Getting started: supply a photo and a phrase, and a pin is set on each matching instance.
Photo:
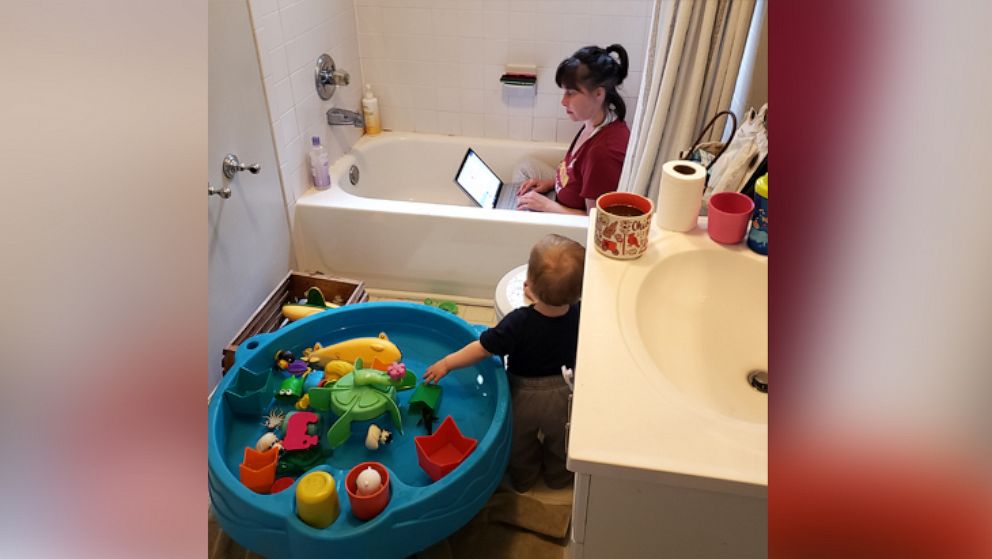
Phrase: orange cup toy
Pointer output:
(367, 502)
(258, 470)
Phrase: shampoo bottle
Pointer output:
(319, 174)
(370, 108)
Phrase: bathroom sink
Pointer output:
(666, 345)
(697, 321)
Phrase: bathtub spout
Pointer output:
(345, 117)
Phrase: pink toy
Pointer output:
(296, 431)
(396, 371)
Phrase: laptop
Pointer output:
(483, 186)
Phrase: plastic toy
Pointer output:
(303, 403)
(300, 461)
(267, 441)
(284, 357)
(317, 499)
(419, 513)
(426, 399)
(274, 419)
(251, 392)
(396, 371)
(258, 470)
(367, 499)
(296, 431)
(298, 367)
(335, 370)
(314, 304)
(442, 452)
(377, 437)
(366, 349)
(446, 306)
(368, 482)
(360, 395)
(291, 389)
(281, 483)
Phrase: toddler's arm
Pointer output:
(468, 355)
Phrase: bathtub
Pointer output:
(407, 226)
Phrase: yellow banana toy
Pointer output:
(365, 349)
(315, 304)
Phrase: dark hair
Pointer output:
(593, 67)
(554, 270)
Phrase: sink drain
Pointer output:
(758, 380)
(353, 175)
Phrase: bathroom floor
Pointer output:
(476, 311)
(520, 525)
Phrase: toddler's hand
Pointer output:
(436, 372)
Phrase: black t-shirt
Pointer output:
(536, 345)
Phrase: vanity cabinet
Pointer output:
(614, 518)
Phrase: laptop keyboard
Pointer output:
(507, 198)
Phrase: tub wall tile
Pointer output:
(289, 36)
(460, 47)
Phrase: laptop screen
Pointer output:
(478, 180)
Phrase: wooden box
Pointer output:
(268, 317)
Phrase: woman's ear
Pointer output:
(599, 94)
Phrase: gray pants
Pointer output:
(531, 168)
(539, 404)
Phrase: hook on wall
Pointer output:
(327, 77)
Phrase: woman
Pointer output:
(593, 162)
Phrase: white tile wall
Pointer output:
(290, 35)
(435, 64)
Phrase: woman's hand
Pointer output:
(536, 185)
(436, 372)
(536, 203)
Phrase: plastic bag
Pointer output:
(746, 151)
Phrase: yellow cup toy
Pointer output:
(317, 499)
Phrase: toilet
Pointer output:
(510, 292)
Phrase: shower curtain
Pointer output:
(693, 56)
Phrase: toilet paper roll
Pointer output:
(680, 195)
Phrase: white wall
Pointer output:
(290, 35)
(435, 64)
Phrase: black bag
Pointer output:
(706, 153)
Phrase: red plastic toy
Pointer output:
(440, 453)
(368, 506)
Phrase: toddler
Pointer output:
(537, 340)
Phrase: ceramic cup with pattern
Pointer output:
(623, 221)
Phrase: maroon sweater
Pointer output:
(594, 168)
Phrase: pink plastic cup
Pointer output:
(729, 214)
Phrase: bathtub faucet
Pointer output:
(344, 117)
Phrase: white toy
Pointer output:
(368, 482)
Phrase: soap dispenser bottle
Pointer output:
(370, 110)
(319, 173)
(757, 237)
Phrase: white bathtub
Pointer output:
(407, 226)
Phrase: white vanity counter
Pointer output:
(662, 411)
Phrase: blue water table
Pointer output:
(275, 460)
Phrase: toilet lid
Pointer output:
(510, 291)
